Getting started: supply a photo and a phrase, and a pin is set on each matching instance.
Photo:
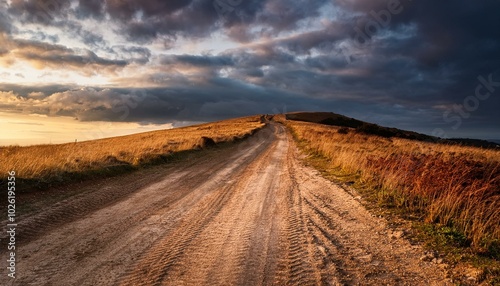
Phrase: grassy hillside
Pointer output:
(46, 164)
(333, 119)
(328, 118)
(447, 185)
(475, 142)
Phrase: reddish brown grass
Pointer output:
(449, 185)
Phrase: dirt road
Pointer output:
(250, 214)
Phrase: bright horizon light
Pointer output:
(24, 129)
(159, 62)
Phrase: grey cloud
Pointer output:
(25, 90)
(254, 72)
(427, 56)
(59, 55)
(285, 15)
(90, 8)
(262, 56)
(134, 54)
(222, 98)
(5, 25)
(201, 61)
(125, 10)
(89, 38)
(41, 37)
(326, 63)
(142, 32)
(186, 18)
(39, 11)
(144, 21)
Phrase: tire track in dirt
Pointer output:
(93, 235)
(108, 191)
(299, 259)
(354, 244)
(203, 191)
(251, 214)
(83, 204)
(155, 266)
(236, 237)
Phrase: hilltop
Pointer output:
(333, 119)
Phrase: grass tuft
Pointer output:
(40, 166)
(454, 186)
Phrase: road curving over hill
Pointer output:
(249, 214)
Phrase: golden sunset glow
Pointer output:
(156, 63)
(24, 129)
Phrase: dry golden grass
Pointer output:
(48, 163)
(446, 184)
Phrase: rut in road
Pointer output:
(251, 214)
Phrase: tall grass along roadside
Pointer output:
(45, 164)
(449, 185)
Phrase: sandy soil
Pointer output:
(250, 214)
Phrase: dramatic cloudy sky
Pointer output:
(83, 69)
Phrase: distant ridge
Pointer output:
(334, 119)
(475, 142)
(330, 118)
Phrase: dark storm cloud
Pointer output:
(272, 16)
(200, 61)
(48, 55)
(325, 63)
(143, 21)
(455, 43)
(464, 34)
(5, 24)
(59, 55)
(125, 9)
(379, 60)
(460, 34)
(91, 39)
(285, 15)
(25, 90)
(219, 99)
(39, 11)
(133, 53)
(254, 72)
(90, 8)
(263, 56)
(324, 40)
